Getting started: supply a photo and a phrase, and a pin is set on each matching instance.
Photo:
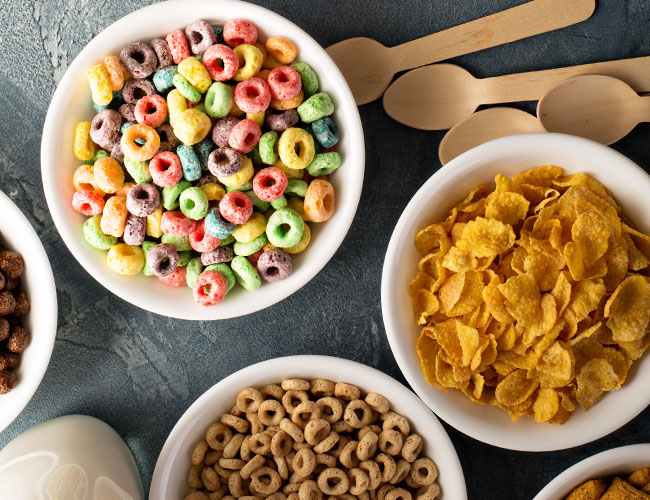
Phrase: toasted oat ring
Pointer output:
(270, 412)
(218, 436)
(277, 496)
(393, 420)
(333, 481)
(295, 384)
(194, 476)
(321, 388)
(331, 409)
(249, 400)
(398, 494)
(304, 462)
(223, 473)
(212, 457)
(236, 411)
(239, 424)
(265, 481)
(367, 446)
(309, 491)
(231, 463)
(256, 425)
(281, 466)
(348, 456)
(197, 495)
(260, 443)
(237, 486)
(245, 449)
(305, 412)
(411, 448)
(232, 448)
(328, 443)
(424, 472)
(363, 496)
(387, 466)
(272, 390)
(281, 444)
(402, 470)
(342, 427)
(390, 442)
(345, 391)
(358, 481)
(210, 479)
(295, 478)
(378, 402)
(326, 460)
(368, 428)
(357, 414)
(300, 446)
(291, 399)
(340, 444)
(371, 468)
(199, 452)
(316, 431)
(292, 429)
(384, 490)
(251, 466)
(428, 492)
(219, 493)
(292, 495)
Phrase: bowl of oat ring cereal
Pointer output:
(28, 311)
(308, 428)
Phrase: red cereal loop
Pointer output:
(254, 258)
(166, 169)
(88, 202)
(284, 83)
(202, 241)
(178, 45)
(269, 183)
(236, 207)
(221, 62)
(244, 136)
(239, 31)
(176, 279)
(151, 110)
(210, 288)
(175, 223)
(253, 95)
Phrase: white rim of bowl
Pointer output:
(300, 364)
(89, 262)
(412, 372)
(46, 288)
(559, 487)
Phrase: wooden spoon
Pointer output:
(600, 108)
(368, 66)
(484, 126)
(439, 96)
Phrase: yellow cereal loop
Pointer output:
(114, 216)
(153, 223)
(250, 61)
(109, 175)
(213, 191)
(303, 243)
(83, 147)
(244, 175)
(235, 110)
(115, 72)
(288, 103)
(176, 105)
(298, 205)
(291, 173)
(84, 179)
(271, 62)
(100, 85)
(254, 227)
(256, 117)
(296, 148)
(192, 126)
(124, 259)
(195, 73)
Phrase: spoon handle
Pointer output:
(523, 21)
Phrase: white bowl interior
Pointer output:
(17, 234)
(629, 184)
(72, 103)
(169, 480)
(618, 461)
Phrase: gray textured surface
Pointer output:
(138, 371)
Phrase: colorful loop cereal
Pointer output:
(216, 256)
(133, 150)
(291, 173)
(308, 77)
(303, 243)
(195, 73)
(162, 259)
(239, 31)
(115, 72)
(218, 100)
(317, 106)
(244, 136)
(125, 259)
(114, 216)
(203, 150)
(245, 273)
(177, 224)
(180, 243)
(109, 175)
(279, 202)
(153, 223)
(324, 164)
(213, 191)
(139, 170)
(193, 269)
(247, 249)
(296, 148)
(163, 79)
(100, 85)
(83, 147)
(224, 162)
(281, 121)
(127, 111)
(284, 83)
(225, 270)
(189, 162)
(297, 187)
(165, 169)
(146, 246)
(236, 207)
(100, 153)
(210, 288)
(88, 202)
(164, 55)
(168, 140)
(134, 230)
(95, 237)
(84, 179)
(298, 205)
(217, 226)
(201, 240)
(268, 147)
(222, 129)
(192, 126)
(275, 228)
(274, 265)
(250, 61)
(194, 203)
(176, 279)
(282, 49)
(171, 194)
(105, 128)
(177, 46)
(186, 89)
(253, 95)
(221, 62)
(135, 89)
(325, 131)
(201, 36)
(269, 183)
(142, 200)
(288, 104)
(262, 206)
(256, 117)
(138, 59)
(319, 201)
(176, 105)
(151, 110)
(239, 179)
(254, 227)
(271, 62)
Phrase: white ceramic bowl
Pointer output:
(17, 234)
(446, 188)
(71, 103)
(169, 481)
(618, 461)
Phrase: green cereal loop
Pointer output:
(139, 170)
(180, 243)
(251, 247)
(308, 77)
(194, 203)
(269, 147)
(171, 194)
(297, 187)
(244, 187)
(254, 155)
(278, 236)
(316, 107)
(184, 258)
(146, 246)
(194, 268)
(99, 154)
(280, 202)
(218, 100)
(324, 164)
(186, 89)
(245, 273)
(95, 237)
(261, 205)
(230, 239)
(200, 107)
(225, 270)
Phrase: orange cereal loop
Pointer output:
(288, 103)
(84, 179)
(109, 174)
(133, 150)
(264, 74)
(115, 72)
(263, 50)
(282, 49)
(271, 62)
(319, 201)
(114, 216)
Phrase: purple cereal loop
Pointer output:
(142, 199)
(163, 53)
(127, 111)
(282, 121)
(221, 130)
(200, 36)
(274, 265)
(134, 230)
(105, 128)
(206, 179)
(224, 162)
(162, 259)
(138, 59)
(168, 140)
(116, 150)
(217, 256)
(131, 88)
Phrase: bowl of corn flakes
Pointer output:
(515, 292)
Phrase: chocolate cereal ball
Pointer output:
(11, 264)
(4, 329)
(9, 360)
(7, 381)
(22, 304)
(18, 339)
(7, 303)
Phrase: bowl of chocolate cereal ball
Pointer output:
(28, 311)
(308, 427)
